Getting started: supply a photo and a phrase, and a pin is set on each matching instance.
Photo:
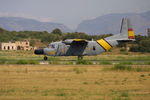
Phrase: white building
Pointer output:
(17, 45)
(8, 46)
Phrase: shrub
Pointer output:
(97, 83)
(105, 62)
(27, 62)
(61, 94)
(22, 62)
(142, 69)
(124, 94)
(110, 50)
(2, 62)
(122, 67)
(83, 62)
(33, 62)
(117, 98)
(147, 63)
(79, 70)
(138, 69)
(85, 83)
(142, 75)
(134, 49)
(142, 44)
(125, 53)
(122, 50)
(125, 63)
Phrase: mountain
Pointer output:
(101, 25)
(111, 23)
(22, 24)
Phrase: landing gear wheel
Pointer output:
(45, 58)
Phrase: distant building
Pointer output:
(148, 31)
(8, 46)
(23, 45)
(17, 45)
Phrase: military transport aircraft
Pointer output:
(82, 47)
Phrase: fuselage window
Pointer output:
(51, 46)
(94, 48)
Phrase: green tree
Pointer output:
(57, 31)
(142, 44)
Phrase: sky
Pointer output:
(69, 12)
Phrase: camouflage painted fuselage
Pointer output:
(81, 47)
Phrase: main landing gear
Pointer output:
(80, 57)
(45, 58)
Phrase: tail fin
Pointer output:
(126, 29)
(126, 35)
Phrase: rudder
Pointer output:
(130, 30)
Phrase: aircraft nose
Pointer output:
(39, 51)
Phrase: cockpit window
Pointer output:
(52, 46)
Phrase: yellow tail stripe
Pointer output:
(104, 44)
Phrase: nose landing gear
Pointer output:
(45, 58)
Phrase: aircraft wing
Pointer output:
(76, 46)
(75, 41)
